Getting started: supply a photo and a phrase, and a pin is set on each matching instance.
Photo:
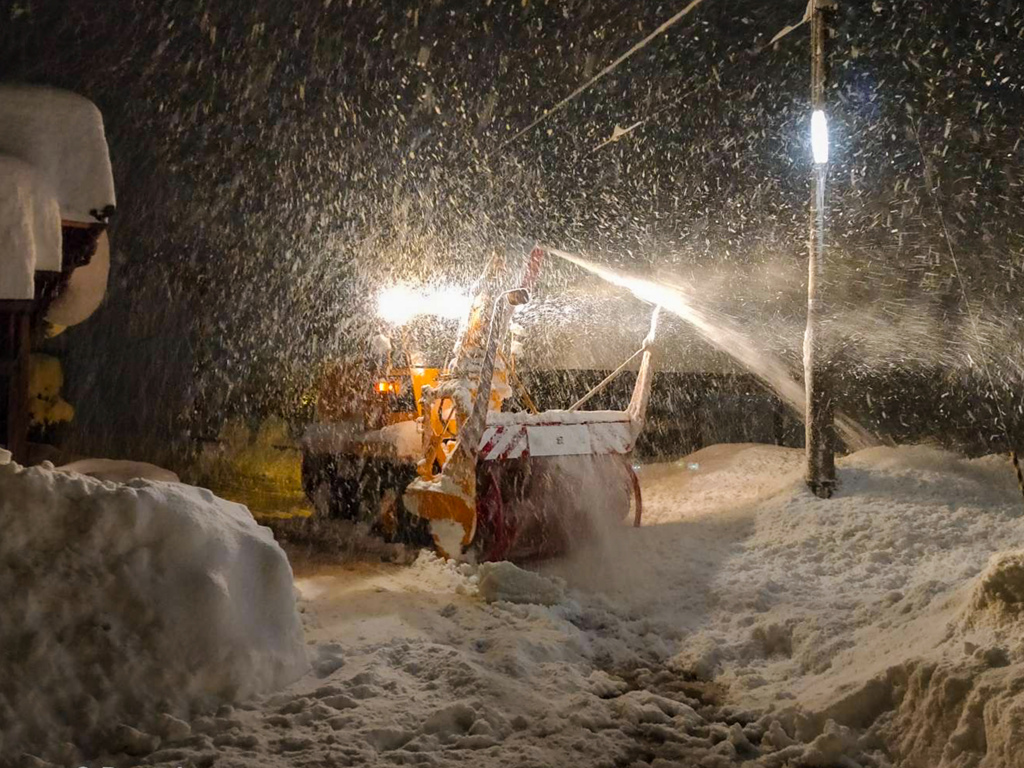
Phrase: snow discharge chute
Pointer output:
(730, 340)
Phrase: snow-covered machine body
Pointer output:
(485, 483)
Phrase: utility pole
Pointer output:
(819, 424)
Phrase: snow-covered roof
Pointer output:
(61, 135)
(30, 237)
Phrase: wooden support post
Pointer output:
(14, 369)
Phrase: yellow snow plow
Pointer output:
(518, 485)
(480, 482)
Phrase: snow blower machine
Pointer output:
(480, 482)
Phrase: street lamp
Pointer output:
(819, 421)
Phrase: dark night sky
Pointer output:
(276, 161)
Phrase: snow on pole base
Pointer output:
(123, 604)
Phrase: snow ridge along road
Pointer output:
(747, 623)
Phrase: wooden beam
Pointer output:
(14, 367)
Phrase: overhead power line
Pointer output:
(663, 27)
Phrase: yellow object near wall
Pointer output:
(46, 378)
(260, 468)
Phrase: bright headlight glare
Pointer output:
(401, 303)
(398, 304)
(819, 136)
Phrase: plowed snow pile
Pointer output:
(126, 608)
(746, 623)
(895, 608)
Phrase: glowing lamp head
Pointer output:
(819, 137)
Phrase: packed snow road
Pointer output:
(832, 631)
(746, 622)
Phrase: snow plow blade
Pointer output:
(450, 511)
(524, 485)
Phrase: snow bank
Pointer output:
(877, 628)
(29, 228)
(962, 703)
(860, 581)
(892, 611)
(118, 471)
(949, 714)
(999, 593)
(504, 581)
(127, 606)
(415, 669)
(893, 608)
(60, 134)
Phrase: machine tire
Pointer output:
(342, 496)
(495, 531)
(360, 497)
(636, 501)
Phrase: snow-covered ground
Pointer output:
(126, 608)
(747, 622)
